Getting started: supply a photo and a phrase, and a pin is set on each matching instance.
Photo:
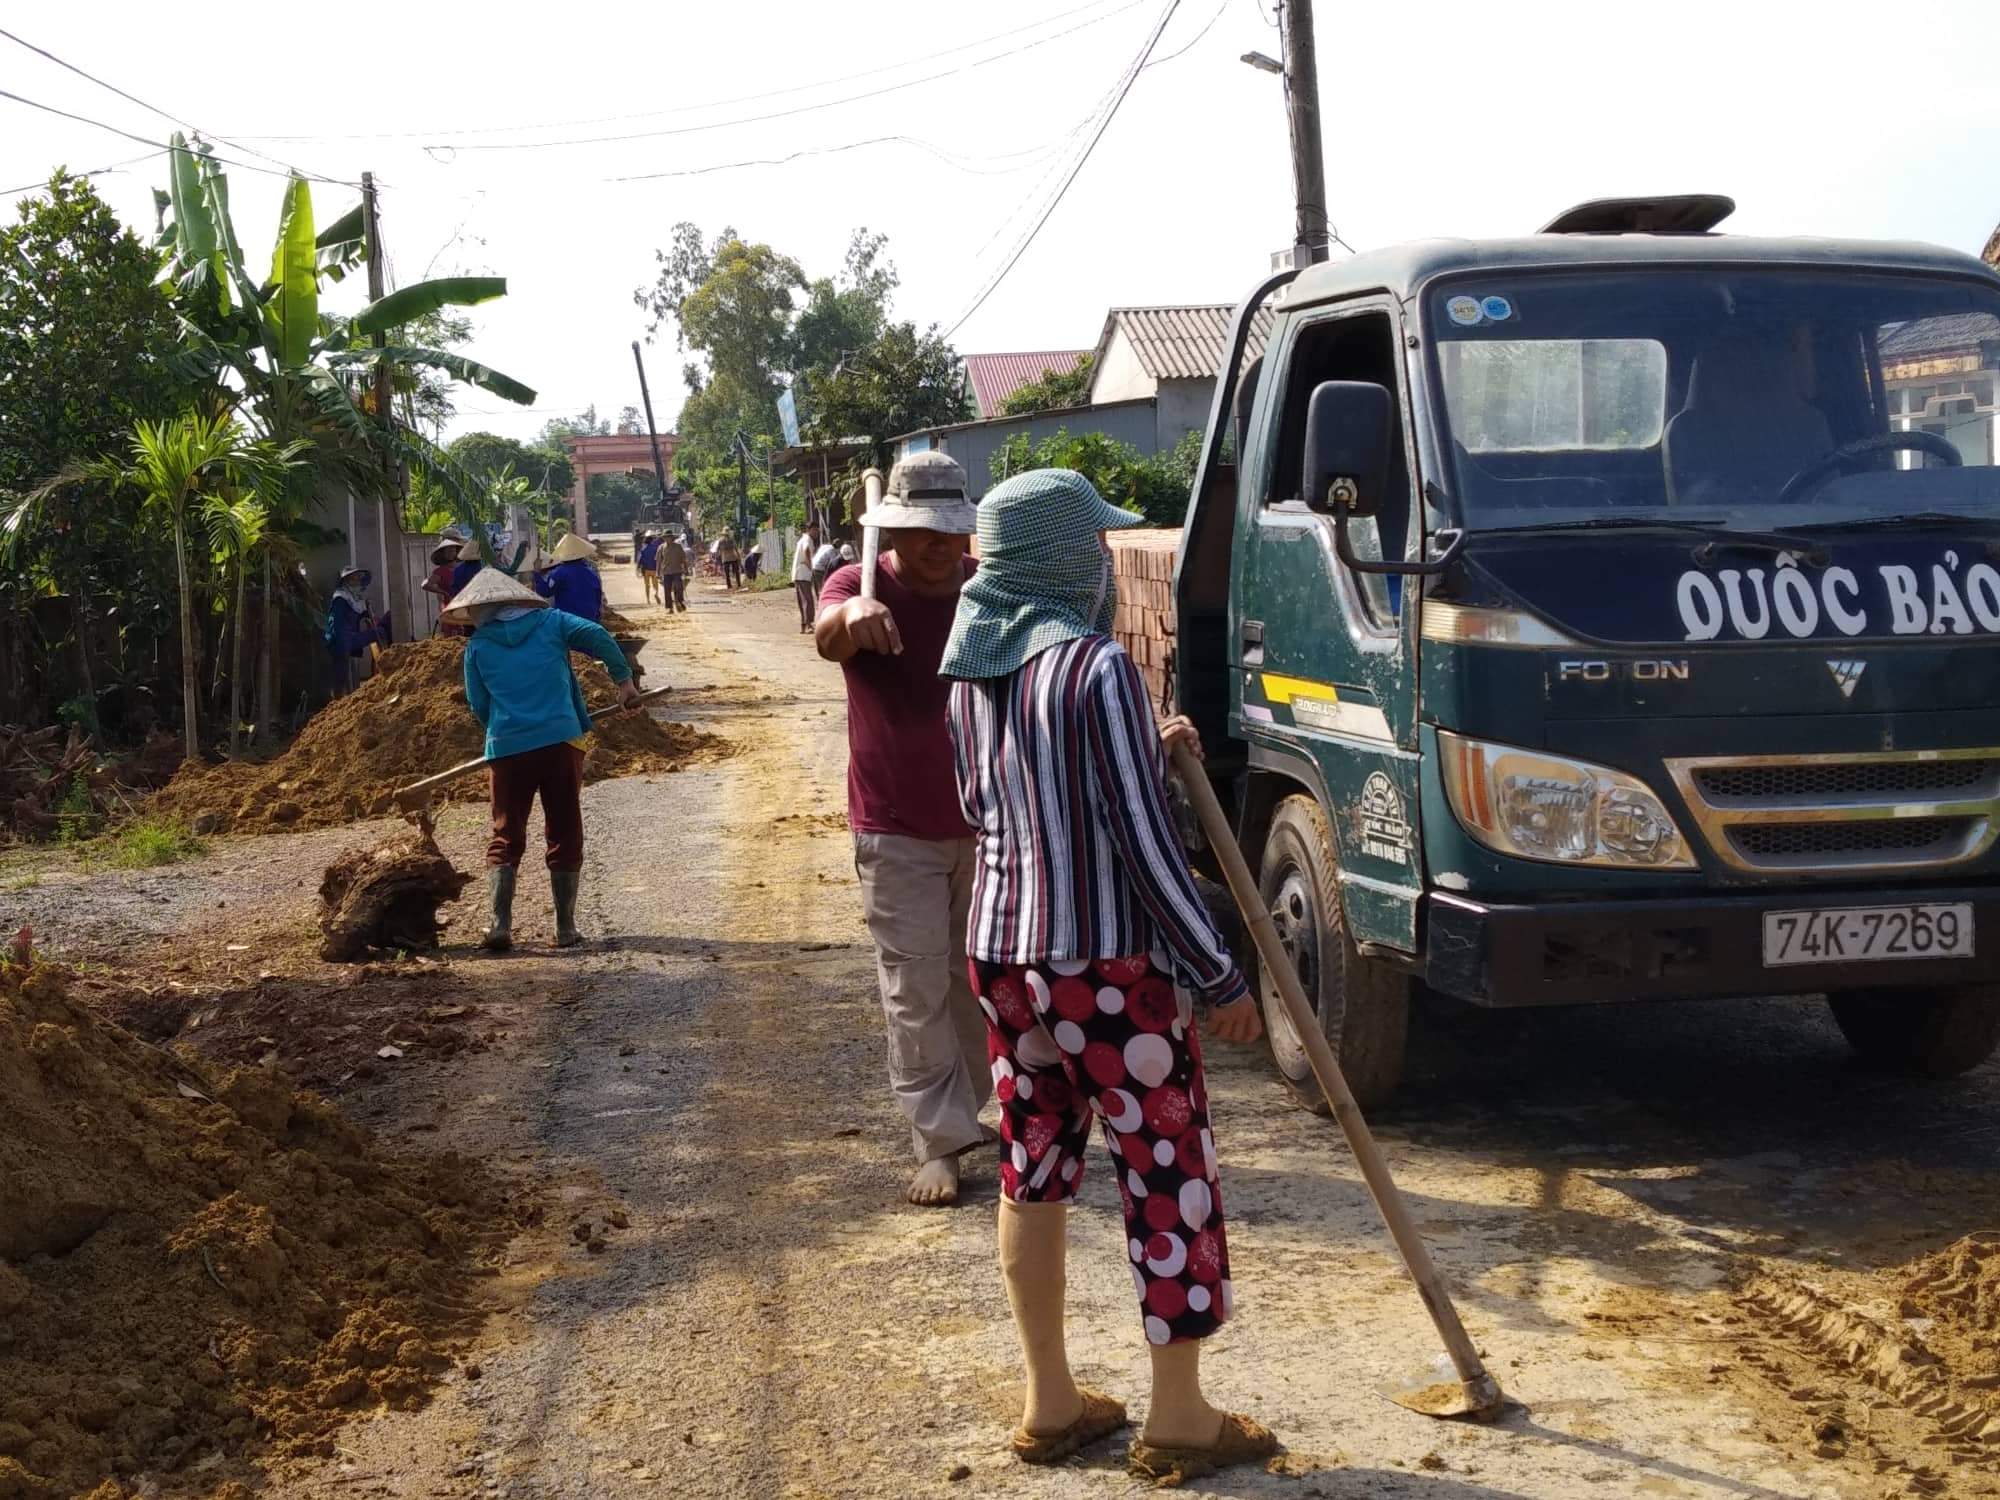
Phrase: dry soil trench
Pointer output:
(771, 1319)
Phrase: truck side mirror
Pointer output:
(1348, 432)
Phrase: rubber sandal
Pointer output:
(1241, 1441)
(1102, 1415)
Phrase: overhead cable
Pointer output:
(1124, 87)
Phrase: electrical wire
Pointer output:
(957, 163)
(21, 41)
(802, 109)
(1124, 88)
(1180, 51)
(116, 166)
(163, 146)
(682, 109)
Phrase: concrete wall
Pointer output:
(1183, 408)
(1120, 376)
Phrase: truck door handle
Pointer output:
(1253, 640)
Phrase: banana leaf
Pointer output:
(291, 313)
(425, 297)
(457, 366)
(342, 245)
(197, 258)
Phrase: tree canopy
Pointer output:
(1053, 391)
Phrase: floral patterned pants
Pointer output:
(1109, 1037)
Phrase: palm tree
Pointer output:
(177, 466)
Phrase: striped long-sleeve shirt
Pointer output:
(1060, 774)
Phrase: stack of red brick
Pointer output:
(1143, 564)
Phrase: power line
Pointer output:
(152, 108)
(1124, 87)
(682, 109)
(1178, 52)
(956, 162)
(116, 166)
(802, 109)
(163, 146)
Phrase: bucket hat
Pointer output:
(926, 492)
(1042, 580)
(355, 570)
(489, 586)
(573, 548)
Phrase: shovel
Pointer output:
(415, 797)
(1475, 1393)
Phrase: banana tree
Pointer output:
(299, 373)
(177, 466)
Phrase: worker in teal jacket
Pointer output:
(519, 683)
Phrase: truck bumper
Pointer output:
(1570, 953)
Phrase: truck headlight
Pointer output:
(1549, 807)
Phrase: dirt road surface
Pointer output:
(702, 1091)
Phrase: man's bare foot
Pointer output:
(936, 1183)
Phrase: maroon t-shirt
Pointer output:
(899, 759)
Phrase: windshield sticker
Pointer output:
(1466, 312)
(1385, 833)
(1497, 309)
(1789, 602)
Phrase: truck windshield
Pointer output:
(1718, 397)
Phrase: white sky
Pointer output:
(1441, 118)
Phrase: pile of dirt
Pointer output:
(407, 722)
(198, 1266)
(1958, 1289)
(386, 899)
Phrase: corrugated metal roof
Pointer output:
(995, 377)
(1955, 332)
(1181, 343)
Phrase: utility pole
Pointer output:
(646, 400)
(371, 225)
(1310, 239)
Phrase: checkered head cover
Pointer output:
(1043, 578)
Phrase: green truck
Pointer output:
(1611, 613)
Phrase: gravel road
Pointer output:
(772, 1319)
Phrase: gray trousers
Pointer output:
(916, 895)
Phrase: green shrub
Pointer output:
(154, 841)
(76, 813)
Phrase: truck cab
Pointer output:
(1612, 613)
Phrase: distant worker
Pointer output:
(519, 684)
(825, 560)
(572, 585)
(847, 554)
(753, 559)
(469, 564)
(673, 564)
(350, 628)
(444, 560)
(912, 846)
(803, 584)
(649, 566)
(731, 557)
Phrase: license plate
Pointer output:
(1844, 934)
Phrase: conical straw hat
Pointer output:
(489, 586)
(574, 548)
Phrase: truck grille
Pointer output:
(1843, 814)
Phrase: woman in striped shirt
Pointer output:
(1086, 938)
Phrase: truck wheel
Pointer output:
(1938, 1033)
(1363, 1006)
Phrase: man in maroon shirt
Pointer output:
(912, 848)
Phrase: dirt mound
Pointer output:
(408, 721)
(196, 1264)
(386, 898)
(1958, 1288)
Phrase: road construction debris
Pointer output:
(182, 1277)
(406, 722)
(386, 899)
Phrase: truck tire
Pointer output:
(1938, 1033)
(1363, 1005)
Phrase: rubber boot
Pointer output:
(563, 883)
(500, 890)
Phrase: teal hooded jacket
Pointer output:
(519, 683)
